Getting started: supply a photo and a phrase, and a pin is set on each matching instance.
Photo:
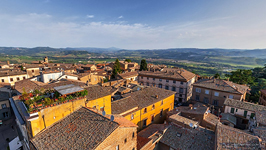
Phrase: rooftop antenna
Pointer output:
(112, 118)
(103, 113)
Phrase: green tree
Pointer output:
(241, 76)
(22, 68)
(217, 76)
(128, 60)
(116, 68)
(143, 65)
(258, 72)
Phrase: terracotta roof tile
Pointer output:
(82, 129)
(170, 73)
(243, 105)
(222, 85)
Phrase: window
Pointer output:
(152, 118)
(215, 102)
(153, 106)
(162, 102)
(167, 87)
(148, 84)
(207, 91)
(245, 113)
(117, 147)
(173, 88)
(132, 116)
(32, 71)
(125, 140)
(3, 106)
(236, 110)
(231, 96)
(148, 78)
(160, 85)
(161, 113)
(17, 78)
(24, 78)
(133, 148)
(174, 81)
(11, 79)
(181, 90)
(160, 79)
(216, 93)
(133, 134)
(181, 83)
(180, 95)
(145, 110)
(198, 90)
(5, 114)
(144, 122)
(3, 80)
(66, 77)
(153, 79)
(252, 115)
(206, 100)
(153, 84)
(141, 77)
(197, 97)
(232, 110)
(167, 80)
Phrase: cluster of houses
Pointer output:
(66, 106)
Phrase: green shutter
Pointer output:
(245, 113)
(252, 115)
(232, 110)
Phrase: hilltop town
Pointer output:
(125, 105)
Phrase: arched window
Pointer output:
(153, 106)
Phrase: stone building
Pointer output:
(87, 129)
(215, 91)
(175, 79)
(262, 99)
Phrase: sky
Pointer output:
(133, 24)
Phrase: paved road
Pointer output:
(6, 131)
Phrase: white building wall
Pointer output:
(239, 112)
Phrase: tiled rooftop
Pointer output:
(212, 119)
(123, 105)
(261, 117)
(222, 85)
(243, 105)
(260, 132)
(95, 92)
(82, 129)
(147, 96)
(170, 73)
(128, 74)
(182, 120)
(232, 138)
(187, 139)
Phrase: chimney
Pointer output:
(156, 96)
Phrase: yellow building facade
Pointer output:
(48, 116)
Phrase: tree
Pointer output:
(116, 68)
(128, 60)
(217, 76)
(22, 68)
(143, 65)
(241, 76)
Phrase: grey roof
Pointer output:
(243, 105)
(68, 89)
(15, 109)
(187, 139)
(4, 95)
(228, 117)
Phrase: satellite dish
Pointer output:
(191, 125)
(103, 113)
(112, 118)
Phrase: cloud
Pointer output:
(31, 30)
(120, 17)
(90, 16)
